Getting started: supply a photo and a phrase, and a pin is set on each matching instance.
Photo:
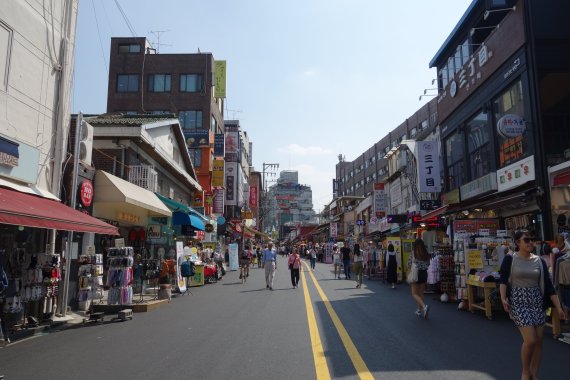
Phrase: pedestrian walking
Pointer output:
(294, 264)
(313, 257)
(259, 257)
(345, 252)
(392, 265)
(420, 260)
(358, 260)
(337, 261)
(270, 265)
(531, 292)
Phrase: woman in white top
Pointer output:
(358, 260)
(337, 262)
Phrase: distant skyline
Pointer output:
(308, 80)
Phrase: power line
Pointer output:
(125, 18)
(99, 35)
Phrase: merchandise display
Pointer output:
(120, 276)
(90, 279)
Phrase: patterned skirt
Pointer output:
(526, 307)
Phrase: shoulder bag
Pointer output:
(413, 272)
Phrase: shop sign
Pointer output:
(86, 193)
(200, 235)
(488, 224)
(209, 227)
(502, 233)
(484, 232)
(232, 146)
(220, 79)
(9, 154)
(127, 217)
(198, 199)
(428, 167)
(379, 200)
(398, 218)
(474, 259)
(360, 222)
(482, 185)
(465, 226)
(90, 250)
(198, 138)
(516, 174)
(218, 206)
(154, 232)
(395, 193)
(219, 145)
(253, 196)
(429, 204)
(510, 126)
(333, 230)
(221, 220)
(218, 173)
(120, 242)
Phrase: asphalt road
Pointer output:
(229, 330)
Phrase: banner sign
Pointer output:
(179, 257)
(253, 196)
(333, 230)
(232, 146)
(233, 253)
(218, 205)
(219, 145)
(428, 167)
(429, 204)
(220, 79)
(218, 173)
(379, 200)
(516, 174)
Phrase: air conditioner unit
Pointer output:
(86, 143)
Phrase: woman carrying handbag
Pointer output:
(295, 267)
(417, 276)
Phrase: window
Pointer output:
(455, 163)
(478, 136)
(196, 157)
(159, 83)
(129, 48)
(190, 82)
(511, 102)
(127, 83)
(190, 120)
(413, 132)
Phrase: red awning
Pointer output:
(31, 211)
(561, 179)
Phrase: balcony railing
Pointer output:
(144, 176)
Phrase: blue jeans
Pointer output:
(346, 265)
(313, 261)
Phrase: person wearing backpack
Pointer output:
(245, 259)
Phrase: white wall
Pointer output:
(34, 64)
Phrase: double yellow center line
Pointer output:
(318, 352)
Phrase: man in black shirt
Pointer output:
(345, 252)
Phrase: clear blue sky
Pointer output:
(308, 79)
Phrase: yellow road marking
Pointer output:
(321, 367)
(357, 361)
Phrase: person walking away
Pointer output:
(313, 257)
(337, 262)
(259, 257)
(531, 293)
(245, 259)
(345, 252)
(358, 260)
(420, 257)
(294, 264)
(392, 265)
(270, 265)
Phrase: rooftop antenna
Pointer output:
(157, 33)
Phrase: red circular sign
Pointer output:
(86, 193)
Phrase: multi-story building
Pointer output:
(503, 106)
(290, 203)
(142, 81)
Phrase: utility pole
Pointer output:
(270, 169)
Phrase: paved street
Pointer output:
(229, 330)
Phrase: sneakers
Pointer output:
(418, 313)
(425, 311)
(266, 286)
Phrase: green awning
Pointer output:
(177, 206)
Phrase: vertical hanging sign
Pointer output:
(220, 79)
(333, 229)
(379, 200)
(428, 167)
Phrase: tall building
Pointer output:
(290, 204)
(142, 81)
(237, 170)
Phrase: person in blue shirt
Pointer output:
(269, 264)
